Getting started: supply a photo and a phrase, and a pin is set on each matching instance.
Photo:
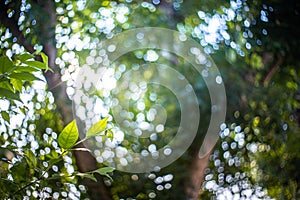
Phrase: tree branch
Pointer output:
(271, 73)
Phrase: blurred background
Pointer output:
(254, 44)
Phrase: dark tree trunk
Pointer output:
(196, 176)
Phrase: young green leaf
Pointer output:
(87, 175)
(25, 56)
(52, 155)
(45, 60)
(104, 171)
(36, 64)
(26, 68)
(24, 76)
(110, 134)
(17, 83)
(69, 135)
(97, 128)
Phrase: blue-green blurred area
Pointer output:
(254, 44)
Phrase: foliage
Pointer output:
(255, 45)
(25, 169)
(267, 118)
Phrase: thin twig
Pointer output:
(271, 73)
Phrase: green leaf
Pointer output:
(55, 160)
(20, 172)
(31, 160)
(5, 116)
(5, 64)
(9, 94)
(5, 83)
(45, 60)
(36, 64)
(25, 56)
(87, 175)
(26, 68)
(104, 171)
(52, 155)
(23, 110)
(17, 83)
(69, 135)
(97, 128)
(110, 134)
(24, 76)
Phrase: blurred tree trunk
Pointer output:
(46, 23)
(197, 166)
(196, 176)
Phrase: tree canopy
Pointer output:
(47, 46)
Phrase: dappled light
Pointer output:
(127, 92)
(149, 99)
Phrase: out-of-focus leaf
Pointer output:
(5, 64)
(69, 135)
(5, 116)
(97, 128)
(104, 171)
(36, 64)
(110, 134)
(45, 60)
(5, 83)
(24, 76)
(52, 155)
(31, 160)
(25, 56)
(9, 94)
(87, 175)
(20, 172)
(17, 83)
(55, 160)
(26, 69)
(23, 110)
